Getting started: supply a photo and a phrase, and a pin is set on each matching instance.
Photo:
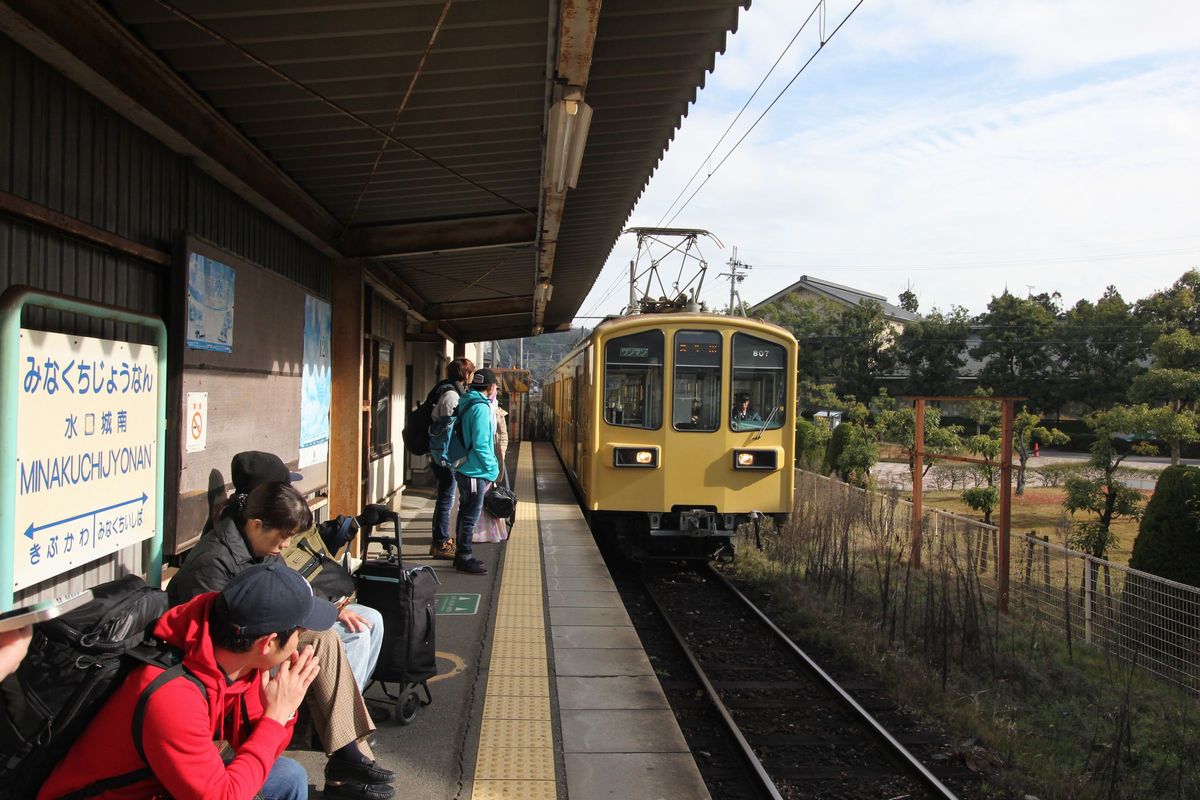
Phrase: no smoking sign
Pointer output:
(196, 434)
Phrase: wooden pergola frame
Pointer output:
(1006, 465)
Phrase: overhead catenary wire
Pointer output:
(824, 41)
(742, 110)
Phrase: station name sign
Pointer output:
(87, 445)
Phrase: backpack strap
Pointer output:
(139, 716)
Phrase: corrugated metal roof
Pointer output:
(474, 116)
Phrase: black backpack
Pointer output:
(75, 663)
(416, 427)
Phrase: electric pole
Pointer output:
(736, 276)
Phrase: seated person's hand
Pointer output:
(353, 622)
(284, 692)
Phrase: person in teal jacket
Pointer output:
(476, 471)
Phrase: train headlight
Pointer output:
(638, 457)
(756, 459)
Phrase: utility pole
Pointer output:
(736, 275)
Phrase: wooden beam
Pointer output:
(95, 50)
(345, 408)
(468, 233)
(470, 309)
(23, 209)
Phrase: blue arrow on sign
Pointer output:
(32, 529)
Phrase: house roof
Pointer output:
(845, 295)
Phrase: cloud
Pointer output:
(944, 144)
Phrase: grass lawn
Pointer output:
(1039, 509)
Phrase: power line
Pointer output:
(742, 110)
(799, 72)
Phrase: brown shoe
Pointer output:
(444, 550)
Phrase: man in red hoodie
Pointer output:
(218, 729)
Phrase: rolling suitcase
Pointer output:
(405, 598)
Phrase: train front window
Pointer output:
(696, 398)
(759, 386)
(633, 380)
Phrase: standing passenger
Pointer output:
(458, 375)
(479, 468)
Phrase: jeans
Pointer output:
(470, 506)
(362, 648)
(445, 500)
(286, 781)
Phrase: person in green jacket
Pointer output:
(477, 470)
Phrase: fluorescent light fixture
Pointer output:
(566, 138)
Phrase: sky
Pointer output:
(954, 148)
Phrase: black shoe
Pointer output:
(470, 565)
(353, 790)
(340, 770)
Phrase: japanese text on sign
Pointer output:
(87, 428)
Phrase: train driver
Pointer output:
(742, 411)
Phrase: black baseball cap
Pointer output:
(483, 378)
(253, 468)
(270, 598)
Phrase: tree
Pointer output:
(1120, 431)
(1174, 383)
(983, 499)
(909, 301)
(811, 321)
(1027, 429)
(865, 351)
(1100, 347)
(1015, 337)
(899, 426)
(1168, 541)
(983, 412)
(1177, 307)
(932, 351)
(852, 450)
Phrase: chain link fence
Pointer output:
(839, 530)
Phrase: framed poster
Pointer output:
(315, 382)
(210, 296)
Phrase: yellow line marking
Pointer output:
(516, 753)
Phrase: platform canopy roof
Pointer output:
(410, 133)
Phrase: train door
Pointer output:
(577, 414)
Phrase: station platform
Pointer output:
(543, 689)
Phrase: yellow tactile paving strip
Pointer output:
(516, 739)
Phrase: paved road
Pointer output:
(890, 474)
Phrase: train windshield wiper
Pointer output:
(766, 422)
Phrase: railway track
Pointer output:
(796, 732)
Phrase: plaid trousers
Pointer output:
(339, 715)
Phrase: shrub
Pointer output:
(983, 499)
(810, 442)
(833, 450)
(1168, 543)
(1055, 475)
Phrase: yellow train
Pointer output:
(677, 427)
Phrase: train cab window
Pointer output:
(759, 384)
(633, 380)
(696, 397)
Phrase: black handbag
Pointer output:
(501, 501)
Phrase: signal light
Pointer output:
(745, 459)
(644, 457)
